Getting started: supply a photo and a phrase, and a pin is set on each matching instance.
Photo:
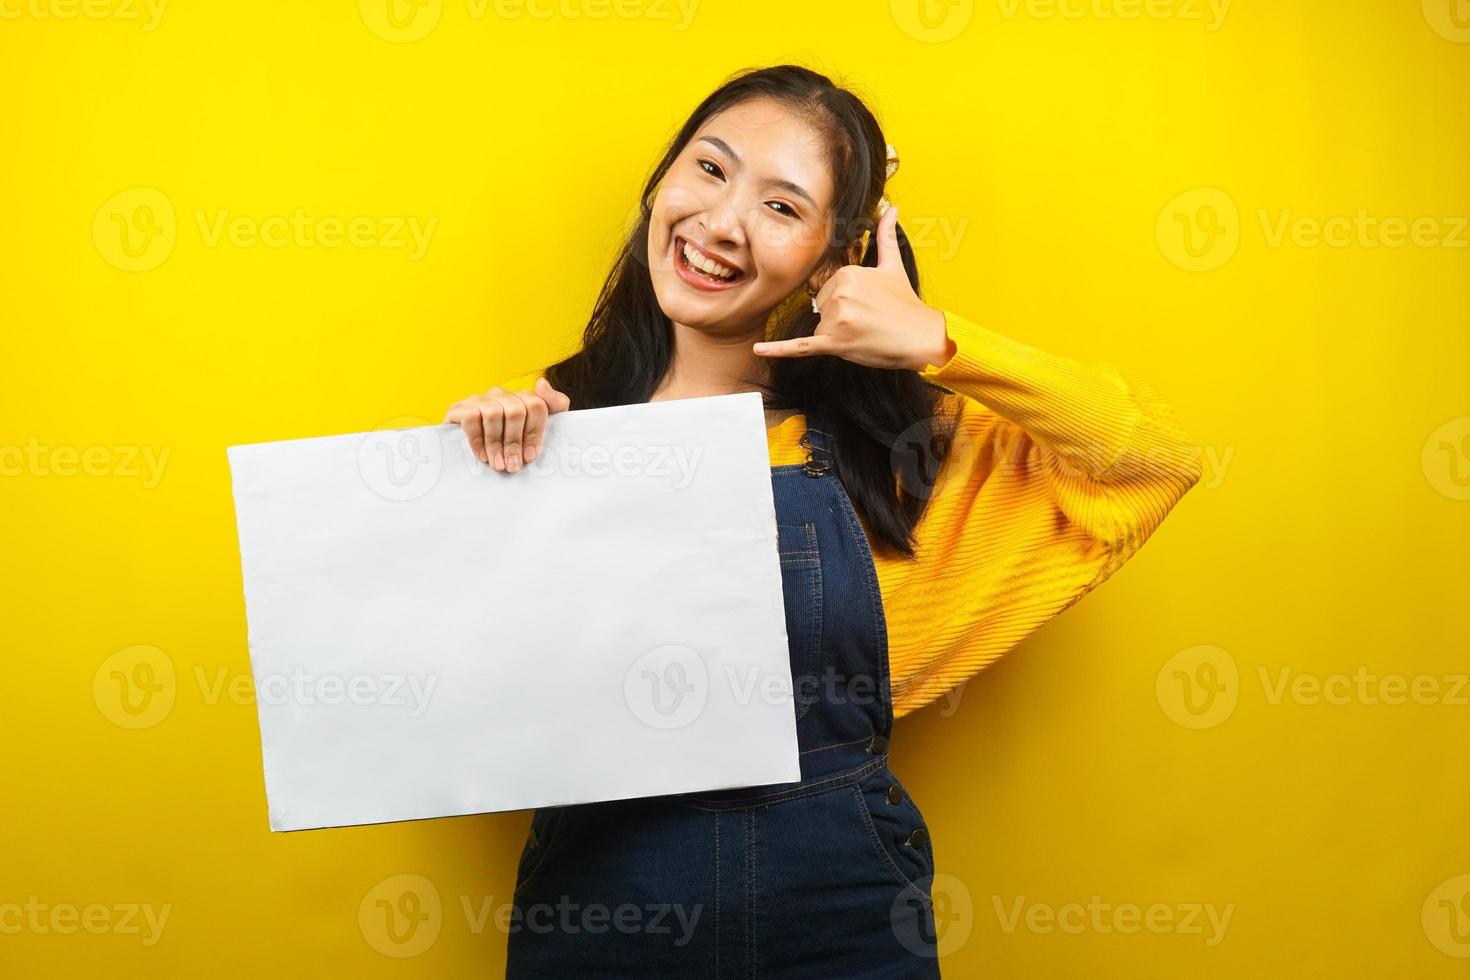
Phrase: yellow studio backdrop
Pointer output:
(1244, 756)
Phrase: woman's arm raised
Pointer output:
(1057, 474)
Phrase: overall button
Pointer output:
(917, 838)
(878, 745)
(895, 794)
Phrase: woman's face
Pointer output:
(741, 220)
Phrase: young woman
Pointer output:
(940, 492)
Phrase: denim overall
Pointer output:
(824, 878)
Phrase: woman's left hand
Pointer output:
(873, 316)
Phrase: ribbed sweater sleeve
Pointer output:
(1058, 473)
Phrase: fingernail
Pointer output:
(499, 461)
(530, 453)
(513, 463)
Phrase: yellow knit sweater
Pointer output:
(1057, 474)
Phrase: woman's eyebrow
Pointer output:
(777, 181)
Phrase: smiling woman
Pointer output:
(941, 491)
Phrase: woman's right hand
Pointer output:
(505, 427)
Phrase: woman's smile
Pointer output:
(703, 269)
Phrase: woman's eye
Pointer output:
(789, 210)
(711, 168)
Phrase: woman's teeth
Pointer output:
(707, 265)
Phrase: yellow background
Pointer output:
(1058, 154)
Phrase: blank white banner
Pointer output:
(429, 637)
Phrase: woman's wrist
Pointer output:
(935, 346)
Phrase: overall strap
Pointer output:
(817, 441)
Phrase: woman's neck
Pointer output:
(710, 364)
(705, 363)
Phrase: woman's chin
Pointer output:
(696, 311)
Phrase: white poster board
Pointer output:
(430, 637)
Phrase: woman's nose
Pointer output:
(723, 222)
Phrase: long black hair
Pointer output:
(889, 428)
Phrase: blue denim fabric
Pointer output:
(822, 878)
